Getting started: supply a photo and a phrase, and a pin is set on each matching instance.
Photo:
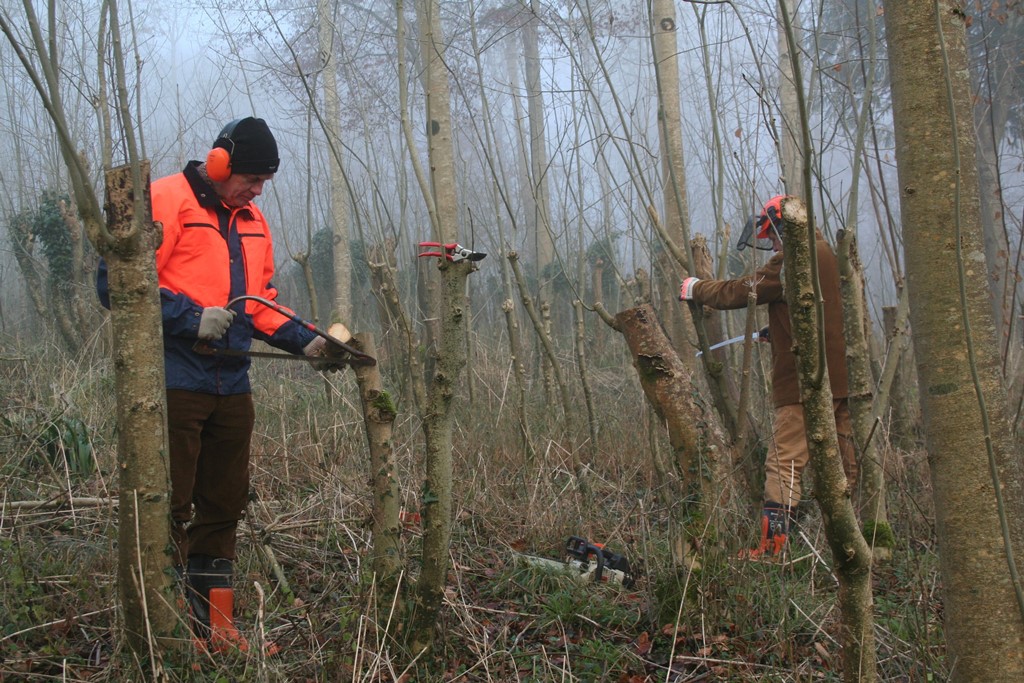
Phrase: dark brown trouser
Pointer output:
(209, 441)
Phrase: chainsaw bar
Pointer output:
(205, 349)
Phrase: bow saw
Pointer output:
(354, 356)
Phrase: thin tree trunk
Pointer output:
(974, 460)
(743, 455)
(307, 278)
(994, 102)
(791, 153)
(144, 567)
(145, 555)
(582, 366)
(597, 294)
(79, 310)
(539, 201)
(675, 212)
(59, 311)
(342, 262)
(902, 424)
(858, 368)
(379, 414)
(519, 371)
(508, 304)
(379, 257)
(428, 292)
(850, 553)
(438, 418)
(548, 349)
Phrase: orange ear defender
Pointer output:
(218, 160)
(218, 164)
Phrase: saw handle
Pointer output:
(359, 358)
(582, 549)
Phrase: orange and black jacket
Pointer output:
(209, 255)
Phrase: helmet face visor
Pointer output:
(761, 228)
(751, 236)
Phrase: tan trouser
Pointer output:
(788, 454)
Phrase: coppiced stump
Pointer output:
(145, 552)
(379, 413)
(691, 477)
(850, 553)
(877, 530)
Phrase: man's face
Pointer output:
(241, 188)
(776, 241)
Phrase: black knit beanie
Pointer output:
(251, 145)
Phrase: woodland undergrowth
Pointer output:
(303, 578)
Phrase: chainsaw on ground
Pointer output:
(588, 563)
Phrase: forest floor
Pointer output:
(503, 618)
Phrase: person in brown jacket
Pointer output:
(788, 453)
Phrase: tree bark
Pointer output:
(145, 552)
(903, 423)
(675, 210)
(380, 260)
(995, 68)
(791, 153)
(667, 383)
(379, 414)
(850, 552)
(438, 419)
(877, 531)
(342, 301)
(974, 460)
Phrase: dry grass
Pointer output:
(503, 621)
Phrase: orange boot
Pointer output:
(223, 634)
(212, 607)
(774, 527)
(211, 603)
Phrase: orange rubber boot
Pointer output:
(223, 634)
(774, 524)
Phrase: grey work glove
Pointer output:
(321, 348)
(214, 322)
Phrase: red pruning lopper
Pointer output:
(453, 252)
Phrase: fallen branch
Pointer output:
(56, 503)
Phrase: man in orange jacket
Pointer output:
(216, 246)
(788, 453)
